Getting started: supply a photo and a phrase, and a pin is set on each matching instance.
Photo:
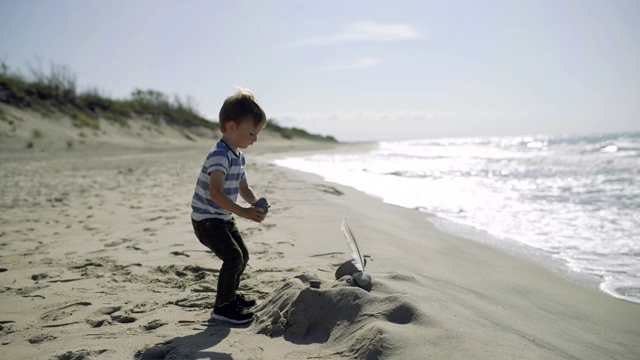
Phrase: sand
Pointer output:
(99, 261)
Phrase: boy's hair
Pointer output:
(239, 107)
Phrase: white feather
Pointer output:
(358, 261)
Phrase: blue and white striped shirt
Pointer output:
(221, 158)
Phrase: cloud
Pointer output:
(363, 32)
(361, 63)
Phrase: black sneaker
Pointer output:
(232, 312)
(244, 302)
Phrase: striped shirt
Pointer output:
(221, 158)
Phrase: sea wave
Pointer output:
(575, 198)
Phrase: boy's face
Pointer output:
(244, 133)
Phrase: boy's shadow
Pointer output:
(196, 346)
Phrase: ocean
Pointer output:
(572, 202)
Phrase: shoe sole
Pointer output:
(233, 321)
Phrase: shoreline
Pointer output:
(508, 245)
(519, 250)
(101, 261)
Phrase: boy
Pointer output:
(221, 180)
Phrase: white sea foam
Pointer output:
(576, 198)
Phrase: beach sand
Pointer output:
(99, 261)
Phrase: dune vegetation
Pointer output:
(57, 90)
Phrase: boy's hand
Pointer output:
(263, 204)
(253, 213)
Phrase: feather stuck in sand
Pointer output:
(360, 277)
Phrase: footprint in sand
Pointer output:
(247, 232)
(136, 247)
(64, 312)
(267, 251)
(38, 339)
(124, 318)
(329, 189)
(250, 231)
(6, 327)
(154, 324)
(107, 315)
(179, 253)
(195, 302)
(79, 354)
(117, 242)
(40, 276)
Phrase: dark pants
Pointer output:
(223, 238)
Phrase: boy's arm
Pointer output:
(216, 184)
(246, 192)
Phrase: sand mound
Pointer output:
(347, 319)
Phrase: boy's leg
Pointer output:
(242, 301)
(243, 248)
(216, 235)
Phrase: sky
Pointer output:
(356, 70)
